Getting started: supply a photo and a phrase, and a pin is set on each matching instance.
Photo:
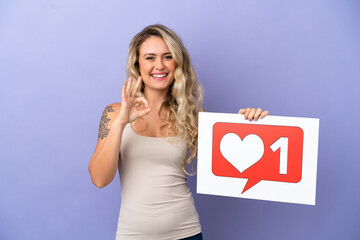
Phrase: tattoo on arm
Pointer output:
(104, 123)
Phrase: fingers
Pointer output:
(143, 101)
(253, 114)
(128, 91)
(143, 112)
(137, 86)
(263, 114)
(128, 87)
(247, 113)
(257, 114)
(123, 97)
(241, 111)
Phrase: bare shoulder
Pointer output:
(108, 116)
(113, 107)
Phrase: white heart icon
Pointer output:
(242, 154)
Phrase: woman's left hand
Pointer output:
(252, 113)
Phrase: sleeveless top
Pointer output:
(156, 202)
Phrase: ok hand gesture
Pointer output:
(128, 111)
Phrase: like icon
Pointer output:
(274, 158)
(257, 152)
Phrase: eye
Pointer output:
(168, 57)
(149, 58)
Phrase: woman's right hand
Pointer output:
(128, 112)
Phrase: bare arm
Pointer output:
(103, 164)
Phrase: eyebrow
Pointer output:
(153, 54)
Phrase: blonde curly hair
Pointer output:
(185, 96)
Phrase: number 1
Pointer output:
(282, 143)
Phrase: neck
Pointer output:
(155, 98)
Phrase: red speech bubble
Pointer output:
(281, 159)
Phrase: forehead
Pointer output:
(154, 45)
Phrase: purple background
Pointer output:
(62, 62)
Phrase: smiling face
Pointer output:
(156, 64)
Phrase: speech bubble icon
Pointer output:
(281, 160)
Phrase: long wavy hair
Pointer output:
(184, 100)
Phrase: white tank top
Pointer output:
(156, 202)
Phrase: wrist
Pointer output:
(119, 123)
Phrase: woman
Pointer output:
(151, 136)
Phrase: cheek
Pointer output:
(143, 66)
(172, 66)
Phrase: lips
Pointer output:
(159, 76)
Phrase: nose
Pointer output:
(159, 65)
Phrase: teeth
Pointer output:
(159, 76)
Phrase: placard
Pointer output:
(274, 158)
